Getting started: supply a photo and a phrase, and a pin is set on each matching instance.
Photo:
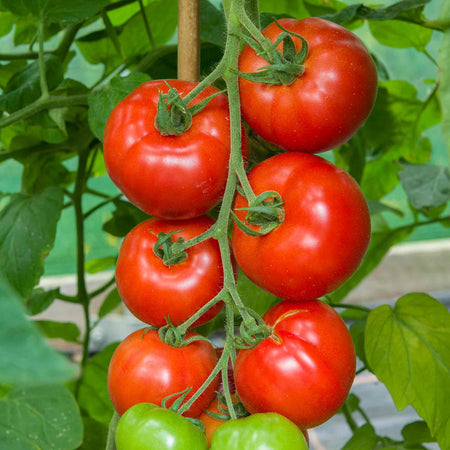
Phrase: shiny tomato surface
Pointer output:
(153, 291)
(326, 105)
(324, 235)
(304, 370)
(143, 369)
(171, 177)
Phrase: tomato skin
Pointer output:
(325, 106)
(171, 177)
(153, 291)
(143, 369)
(145, 426)
(211, 423)
(268, 431)
(304, 370)
(324, 235)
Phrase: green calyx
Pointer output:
(265, 211)
(168, 250)
(174, 117)
(284, 67)
(252, 334)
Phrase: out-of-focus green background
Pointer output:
(406, 64)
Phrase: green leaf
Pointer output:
(41, 417)
(380, 243)
(27, 234)
(125, 217)
(398, 34)
(407, 349)
(93, 396)
(212, 24)
(378, 207)
(253, 296)
(321, 7)
(364, 438)
(357, 333)
(24, 87)
(417, 433)
(7, 21)
(398, 110)
(95, 434)
(444, 75)
(295, 9)
(426, 185)
(24, 356)
(66, 12)
(59, 330)
(111, 302)
(41, 172)
(40, 300)
(7, 70)
(100, 264)
(103, 101)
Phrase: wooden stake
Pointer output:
(188, 40)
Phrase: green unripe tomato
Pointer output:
(266, 431)
(149, 427)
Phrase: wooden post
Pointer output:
(188, 40)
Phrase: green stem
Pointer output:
(41, 104)
(189, 322)
(82, 294)
(349, 418)
(430, 57)
(67, 298)
(117, 5)
(14, 56)
(209, 233)
(42, 75)
(101, 204)
(251, 6)
(66, 41)
(91, 191)
(147, 25)
(350, 306)
(363, 413)
(361, 370)
(102, 288)
(223, 362)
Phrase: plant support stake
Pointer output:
(188, 40)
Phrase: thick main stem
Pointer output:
(188, 40)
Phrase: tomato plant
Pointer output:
(154, 291)
(323, 237)
(304, 369)
(146, 426)
(269, 431)
(324, 106)
(141, 161)
(144, 369)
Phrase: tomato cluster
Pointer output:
(300, 373)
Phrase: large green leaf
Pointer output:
(95, 434)
(103, 101)
(444, 75)
(125, 217)
(398, 34)
(380, 243)
(294, 8)
(93, 396)
(62, 11)
(41, 417)
(364, 438)
(212, 24)
(60, 330)
(407, 347)
(24, 87)
(426, 185)
(24, 356)
(27, 234)
(398, 110)
(40, 300)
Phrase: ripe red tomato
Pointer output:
(324, 235)
(326, 105)
(143, 369)
(153, 291)
(304, 370)
(171, 177)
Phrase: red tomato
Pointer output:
(304, 370)
(324, 235)
(153, 291)
(171, 177)
(325, 106)
(145, 369)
